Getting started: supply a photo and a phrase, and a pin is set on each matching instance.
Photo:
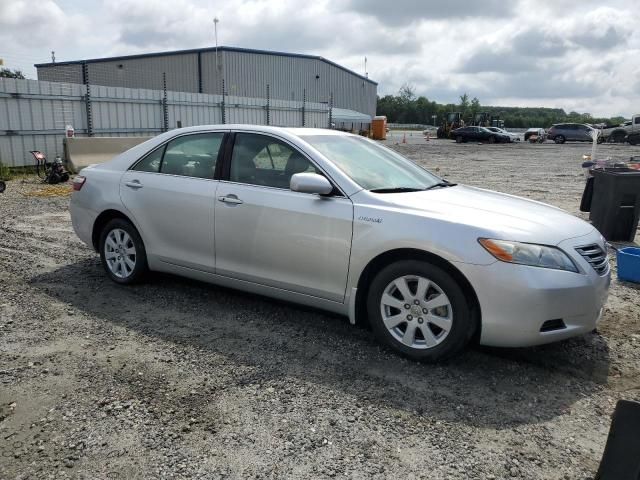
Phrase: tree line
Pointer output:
(406, 107)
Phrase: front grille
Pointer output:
(596, 257)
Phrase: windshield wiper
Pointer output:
(396, 190)
(441, 184)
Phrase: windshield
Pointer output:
(370, 165)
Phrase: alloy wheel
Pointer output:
(416, 312)
(120, 253)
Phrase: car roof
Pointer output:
(296, 131)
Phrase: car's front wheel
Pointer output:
(419, 310)
(122, 252)
(559, 139)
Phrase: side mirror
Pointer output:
(310, 183)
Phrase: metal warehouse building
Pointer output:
(243, 72)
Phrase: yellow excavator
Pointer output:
(452, 121)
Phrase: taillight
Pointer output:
(78, 182)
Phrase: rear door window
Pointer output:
(150, 163)
(192, 155)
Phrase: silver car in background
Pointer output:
(339, 222)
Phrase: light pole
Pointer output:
(433, 117)
(215, 32)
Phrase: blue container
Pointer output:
(629, 264)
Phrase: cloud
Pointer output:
(408, 11)
(526, 52)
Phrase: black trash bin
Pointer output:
(615, 205)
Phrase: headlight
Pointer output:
(528, 254)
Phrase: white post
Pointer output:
(215, 32)
(594, 133)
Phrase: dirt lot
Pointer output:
(177, 379)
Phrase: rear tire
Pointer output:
(617, 137)
(419, 310)
(560, 139)
(492, 139)
(459, 139)
(122, 252)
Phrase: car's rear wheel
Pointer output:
(419, 310)
(459, 139)
(492, 139)
(617, 137)
(122, 252)
(559, 139)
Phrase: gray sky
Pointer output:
(578, 55)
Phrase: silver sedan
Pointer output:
(339, 222)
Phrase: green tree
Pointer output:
(475, 106)
(464, 102)
(407, 92)
(7, 73)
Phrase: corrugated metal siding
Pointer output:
(27, 120)
(33, 114)
(61, 73)
(245, 74)
(181, 71)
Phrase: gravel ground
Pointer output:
(178, 379)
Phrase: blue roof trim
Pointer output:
(201, 50)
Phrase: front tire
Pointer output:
(559, 139)
(419, 310)
(492, 139)
(122, 252)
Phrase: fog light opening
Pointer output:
(552, 325)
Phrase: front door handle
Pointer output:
(230, 199)
(134, 184)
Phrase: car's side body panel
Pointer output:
(174, 231)
(290, 240)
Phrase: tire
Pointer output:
(600, 140)
(617, 137)
(415, 335)
(459, 139)
(633, 139)
(492, 139)
(560, 139)
(120, 248)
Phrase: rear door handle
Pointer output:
(230, 199)
(134, 184)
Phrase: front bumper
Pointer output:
(516, 300)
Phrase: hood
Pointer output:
(496, 215)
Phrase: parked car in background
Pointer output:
(633, 138)
(339, 222)
(620, 133)
(478, 134)
(513, 136)
(570, 132)
(539, 132)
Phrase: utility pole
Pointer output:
(366, 74)
(215, 32)
(53, 56)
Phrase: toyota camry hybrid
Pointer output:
(339, 222)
